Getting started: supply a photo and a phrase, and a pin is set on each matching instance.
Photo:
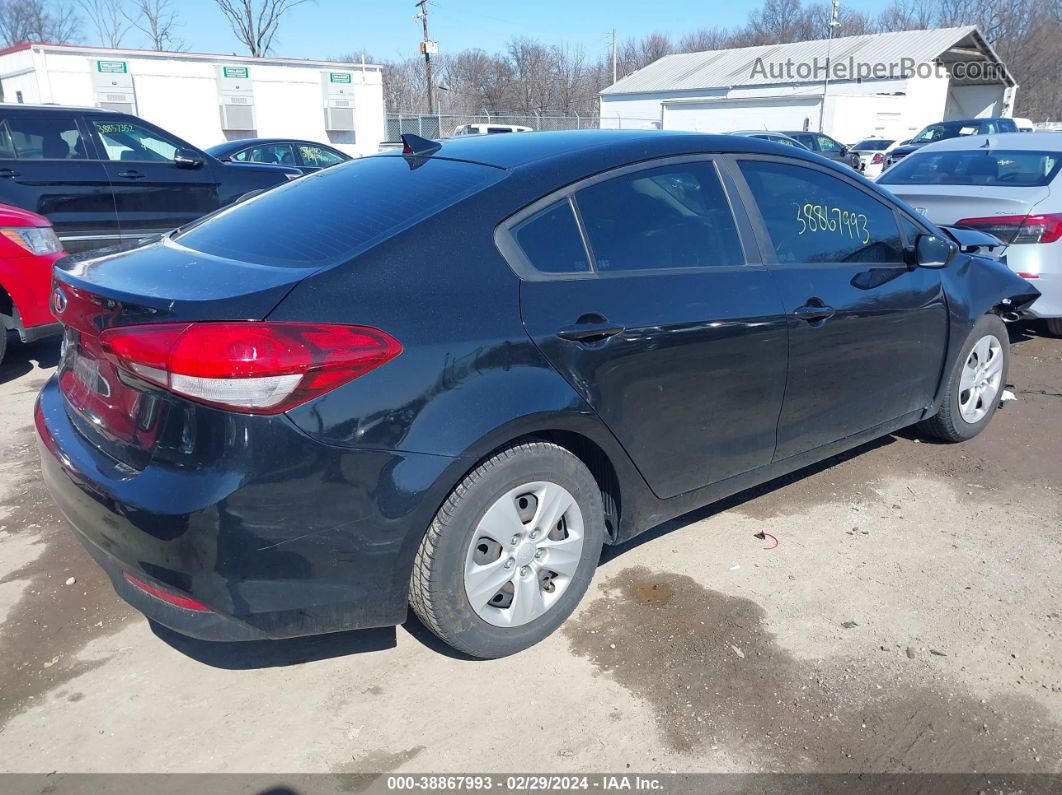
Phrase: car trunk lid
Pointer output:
(121, 415)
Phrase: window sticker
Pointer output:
(837, 220)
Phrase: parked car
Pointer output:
(505, 352)
(942, 131)
(28, 249)
(767, 135)
(103, 177)
(489, 129)
(828, 147)
(871, 152)
(1007, 185)
(306, 156)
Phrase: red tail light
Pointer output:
(251, 367)
(878, 158)
(165, 596)
(1019, 228)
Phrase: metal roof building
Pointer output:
(885, 84)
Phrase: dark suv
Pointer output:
(950, 129)
(103, 177)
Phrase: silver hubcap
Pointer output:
(982, 376)
(524, 553)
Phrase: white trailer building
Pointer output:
(207, 99)
(887, 85)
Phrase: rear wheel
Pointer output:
(975, 384)
(511, 552)
(1054, 326)
(3, 342)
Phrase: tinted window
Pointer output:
(126, 140)
(313, 155)
(814, 217)
(46, 137)
(332, 215)
(274, 154)
(807, 140)
(1020, 168)
(669, 217)
(551, 241)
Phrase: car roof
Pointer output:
(599, 149)
(1036, 141)
(17, 107)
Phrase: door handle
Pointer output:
(7, 173)
(131, 174)
(812, 312)
(590, 328)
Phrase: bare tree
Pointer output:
(157, 20)
(109, 19)
(37, 20)
(255, 22)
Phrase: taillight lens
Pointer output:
(1019, 228)
(878, 158)
(252, 367)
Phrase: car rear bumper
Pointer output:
(311, 539)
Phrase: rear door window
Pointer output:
(814, 217)
(333, 215)
(51, 137)
(674, 216)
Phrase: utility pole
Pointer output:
(427, 46)
(613, 55)
(834, 22)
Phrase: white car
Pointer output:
(1009, 185)
(871, 153)
(489, 129)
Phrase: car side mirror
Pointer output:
(934, 252)
(187, 158)
(844, 151)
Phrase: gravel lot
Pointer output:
(909, 620)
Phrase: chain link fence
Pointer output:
(444, 125)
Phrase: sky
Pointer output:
(386, 28)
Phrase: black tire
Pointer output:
(1054, 326)
(948, 424)
(437, 586)
(3, 342)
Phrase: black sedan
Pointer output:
(307, 156)
(505, 352)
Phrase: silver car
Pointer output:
(1009, 185)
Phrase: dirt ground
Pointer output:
(908, 620)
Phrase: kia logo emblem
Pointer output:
(58, 301)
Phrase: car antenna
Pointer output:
(420, 147)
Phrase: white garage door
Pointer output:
(724, 115)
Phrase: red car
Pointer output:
(28, 247)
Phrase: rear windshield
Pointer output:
(1020, 168)
(874, 145)
(337, 213)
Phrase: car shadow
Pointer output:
(22, 358)
(251, 654)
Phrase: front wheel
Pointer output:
(975, 384)
(511, 552)
(1054, 326)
